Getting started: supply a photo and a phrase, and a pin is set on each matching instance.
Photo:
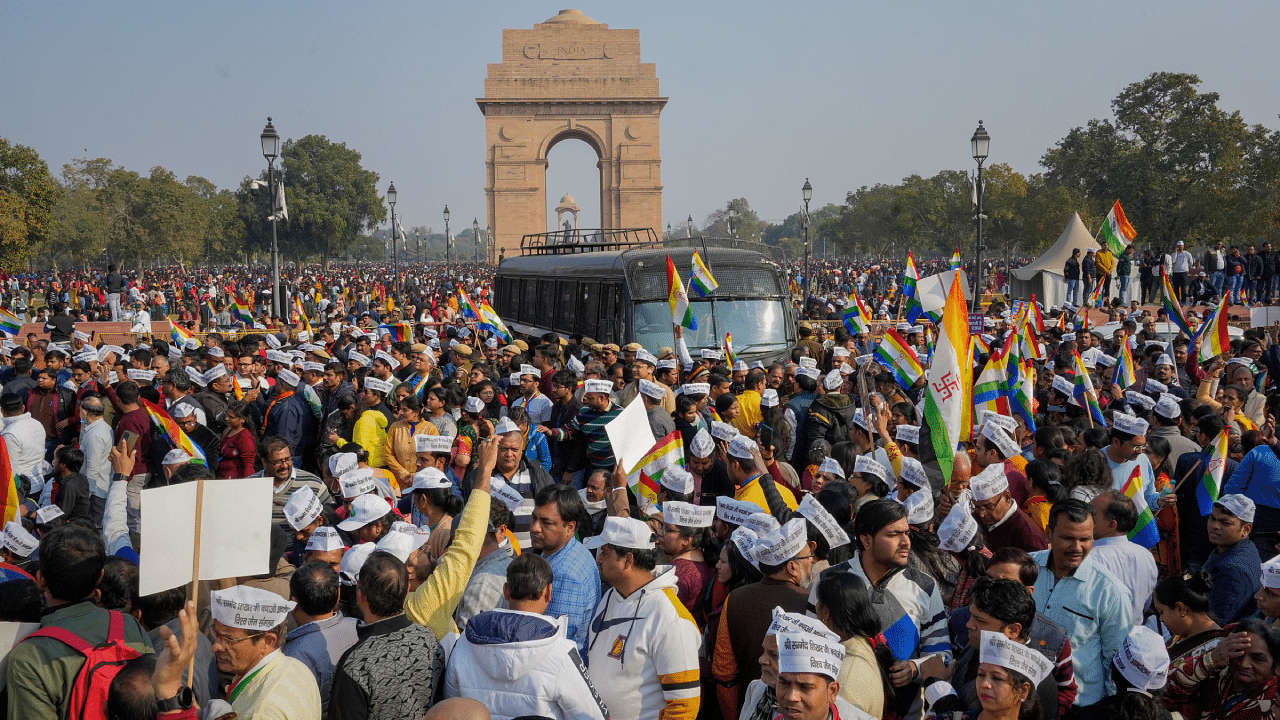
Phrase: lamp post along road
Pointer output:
(395, 263)
(689, 227)
(807, 193)
(447, 242)
(733, 215)
(980, 144)
(271, 150)
(475, 239)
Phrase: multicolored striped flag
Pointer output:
(948, 407)
(490, 321)
(1210, 487)
(955, 260)
(1021, 386)
(1034, 315)
(1172, 307)
(179, 335)
(1145, 532)
(900, 359)
(1084, 394)
(980, 346)
(991, 389)
(400, 332)
(9, 497)
(1125, 375)
(681, 313)
(1214, 338)
(730, 356)
(909, 280)
(856, 316)
(1116, 230)
(701, 282)
(645, 478)
(174, 434)
(303, 320)
(465, 306)
(242, 313)
(9, 322)
(1095, 297)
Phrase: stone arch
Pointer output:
(586, 135)
(570, 78)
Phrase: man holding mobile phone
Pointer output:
(136, 424)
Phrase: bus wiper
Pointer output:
(762, 345)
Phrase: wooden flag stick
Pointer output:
(195, 569)
(1189, 474)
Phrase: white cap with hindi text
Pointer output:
(302, 508)
(249, 608)
(999, 650)
(1238, 505)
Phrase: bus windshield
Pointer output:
(757, 325)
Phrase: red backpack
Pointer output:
(101, 664)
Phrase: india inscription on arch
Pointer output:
(570, 78)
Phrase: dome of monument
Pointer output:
(567, 201)
(572, 17)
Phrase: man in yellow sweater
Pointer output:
(433, 603)
(749, 404)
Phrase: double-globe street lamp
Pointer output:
(395, 262)
(271, 150)
(447, 242)
(980, 143)
(807, 193)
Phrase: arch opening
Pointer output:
(573, 180)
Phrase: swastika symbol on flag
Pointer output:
(946, 385)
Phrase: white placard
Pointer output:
(235, 532)
(629, 434)
(932, 290)
(12, 633)
(1264, 316)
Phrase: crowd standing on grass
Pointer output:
(452, 535)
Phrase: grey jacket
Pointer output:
(320, 645)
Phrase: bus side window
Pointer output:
(566, 304)
(609, 321)
(546, 302)
(588, 308)
(529, 301)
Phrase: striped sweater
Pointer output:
(589, 425)
(912, 617)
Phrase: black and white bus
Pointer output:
(611, 285)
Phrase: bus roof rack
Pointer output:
(568, 242)
(565, 242)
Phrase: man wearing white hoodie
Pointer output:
(520, 661)
(642, 643)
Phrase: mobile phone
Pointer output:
(765, 436)
(130, 439)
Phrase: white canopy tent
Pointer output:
(1043, 276)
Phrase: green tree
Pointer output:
(332, 200)
(1171, 155)
(28, 195)
(747, 225)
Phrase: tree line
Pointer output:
(1182, 167)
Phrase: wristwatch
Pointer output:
(182, 701)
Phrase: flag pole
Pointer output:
(195, 565)
(1190, 472)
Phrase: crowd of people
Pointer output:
(1243, 275)
(452, 535)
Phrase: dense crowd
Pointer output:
(452, 536)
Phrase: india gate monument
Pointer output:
(570, 78)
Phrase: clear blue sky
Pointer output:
(843, 93)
